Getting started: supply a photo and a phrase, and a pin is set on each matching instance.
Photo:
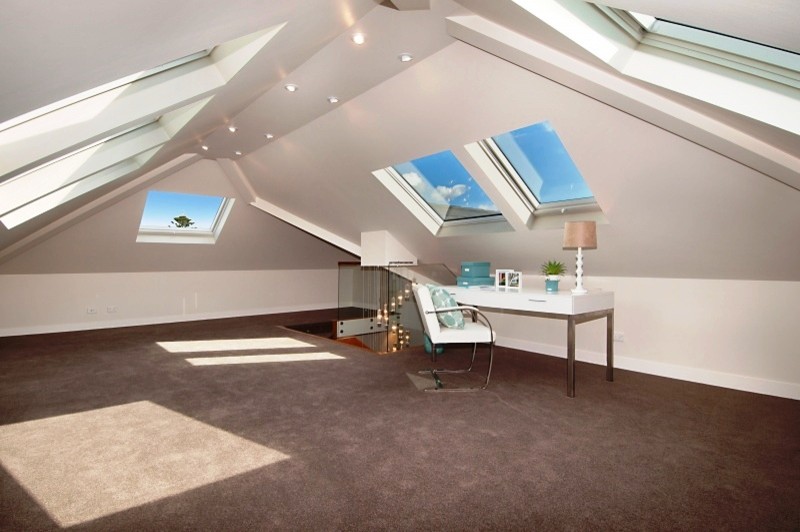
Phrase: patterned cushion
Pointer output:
(442, 299)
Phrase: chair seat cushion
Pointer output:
(442, 299)
(470, 334)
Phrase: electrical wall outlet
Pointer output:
(619, 336)
(91, 310)
(111, 309)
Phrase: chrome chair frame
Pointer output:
(479, 330)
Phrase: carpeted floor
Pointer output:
(158, 428)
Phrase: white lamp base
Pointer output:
(579, 289)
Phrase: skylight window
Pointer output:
(728, 72)
(533, 177)
(446, 187)
(536, 156)
(663, 33)
(96, 91)
(52, 156)
(176, 218)
(442, 194)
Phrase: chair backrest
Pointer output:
(426, 311)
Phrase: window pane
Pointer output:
(447, 187)
(542, 161)
(172, 210)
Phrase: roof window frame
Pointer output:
(102, 89)
(433, 222)
(156, 235)
(515, 181)
(749, 57)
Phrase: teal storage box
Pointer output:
(474, 269)
(474, 281)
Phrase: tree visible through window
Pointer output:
(182, 221)
(176, 218)
(173, 210)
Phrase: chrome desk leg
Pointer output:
(571, 356)
(610, 346)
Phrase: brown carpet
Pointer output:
(140, 429)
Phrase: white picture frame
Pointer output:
(501, 278)
(514, 280)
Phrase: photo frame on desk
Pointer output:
(507, 279)
(501, 279)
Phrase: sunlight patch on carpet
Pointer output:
(233, 344)
(87, 465)
(262, 359)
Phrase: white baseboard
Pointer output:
(744, 383)
(155, 320)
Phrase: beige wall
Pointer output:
(736, 334)
(59, 302)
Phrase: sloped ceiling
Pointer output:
(679, 201)
(106, 242)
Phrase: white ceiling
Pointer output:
(51, 50)
(54, 50)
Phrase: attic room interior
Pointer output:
(186, 187)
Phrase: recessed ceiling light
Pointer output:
(333, 99)
(269, 136)
(205, 148)
(291, 87)
(405, 57)
(359, 38)
(238, 152)
(232, 129)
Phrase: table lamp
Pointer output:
(580, 236)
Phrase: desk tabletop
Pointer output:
(533, 300)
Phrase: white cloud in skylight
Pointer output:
(451, 193)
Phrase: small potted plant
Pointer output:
(553, 270)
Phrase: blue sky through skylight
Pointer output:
(443, 182)
(162, 207)
(541, 160)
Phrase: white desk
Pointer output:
(558, 305)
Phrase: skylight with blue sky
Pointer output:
(446, 186)
(529, 168)
(162, 208)
(178, 218)
(542, 162)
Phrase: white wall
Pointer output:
(58, 302)
(737, 334)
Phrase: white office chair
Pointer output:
(477, 330)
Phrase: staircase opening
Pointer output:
(376, 309)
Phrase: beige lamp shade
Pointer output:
(580, 235)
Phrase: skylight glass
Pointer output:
(443, 183)
(541, 161)
(96, 91)
(168, 211)
(697, 34)
(177, 218)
